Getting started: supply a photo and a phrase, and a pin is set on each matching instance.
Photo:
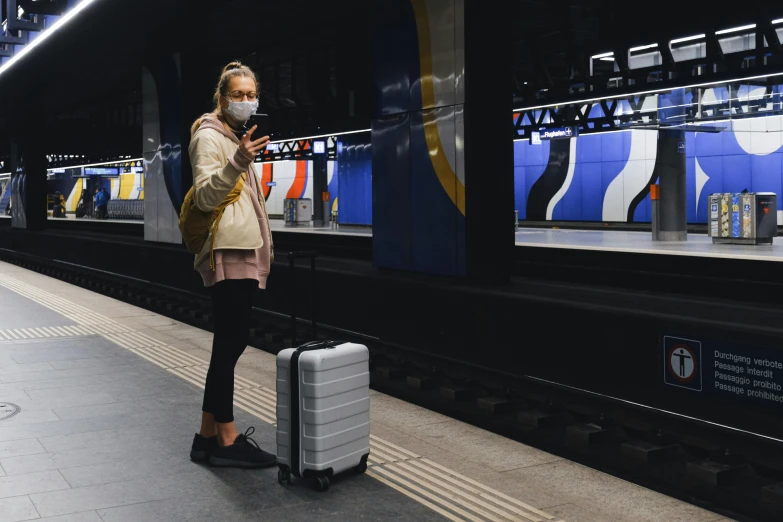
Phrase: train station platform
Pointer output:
(99, 401)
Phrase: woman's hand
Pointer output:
(250, 149)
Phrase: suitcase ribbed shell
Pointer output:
(334, 408)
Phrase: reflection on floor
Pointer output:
(698, 245)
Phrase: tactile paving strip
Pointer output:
(452, 495)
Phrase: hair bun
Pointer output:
(232, 65)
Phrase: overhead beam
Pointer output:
(43, 7)
(13, 24)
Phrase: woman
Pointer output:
(242, 248)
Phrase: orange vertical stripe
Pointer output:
(266, 177)
(299, 181)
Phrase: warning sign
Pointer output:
(682, 363)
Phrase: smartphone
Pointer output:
(262, 121)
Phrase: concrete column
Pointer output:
(673, 206)
(320, 185)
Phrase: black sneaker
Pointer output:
(202, 447)
(243, 453)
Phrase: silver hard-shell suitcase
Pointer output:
(323, 411)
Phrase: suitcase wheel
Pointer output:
(321, 483)
(283, 476)
(362, 467)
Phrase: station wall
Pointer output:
(604, 177)
(349, 183)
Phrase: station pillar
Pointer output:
(320, 187)
(28, 178)
(672, 220)
(442, 150)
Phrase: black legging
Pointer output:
(232, 302)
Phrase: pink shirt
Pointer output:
(242, 264)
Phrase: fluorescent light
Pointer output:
(67, 17)
(607, 59)
(654, 91)
(736, 29)
(604, 55)
(322, 136)
(95, 164)
(688, 39)
(643, 48)
(778, 21)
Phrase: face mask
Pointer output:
(241, 111)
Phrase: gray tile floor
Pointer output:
(16, 312)
(104, 435)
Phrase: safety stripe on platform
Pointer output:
(44, 332)
(448, 493)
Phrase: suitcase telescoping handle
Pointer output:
(292, 257)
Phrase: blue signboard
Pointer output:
(271, 183)
(751, 375)
(535, 138)
(101, 171)
(681, 147)
(559, 133)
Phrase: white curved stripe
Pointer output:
(759, 136)
(633, 178)
(701, 179)
(566, 184)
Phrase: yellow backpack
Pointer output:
(195, 224)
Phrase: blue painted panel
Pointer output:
(592, 193)
(588, 148)
(766, 174)
(708, 144)
(712, 166)
(391, 192)
(334, 184)
(520, 191)
(396, 67)
(537, 154)
(643, 212)
(520, 151)
(570, 206)
(690, 144)
(434, 226)
(612, 146)
(736, 173)
(354, 183)
(729, 144)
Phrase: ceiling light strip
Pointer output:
(59, 24)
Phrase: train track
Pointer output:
(736, 474)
